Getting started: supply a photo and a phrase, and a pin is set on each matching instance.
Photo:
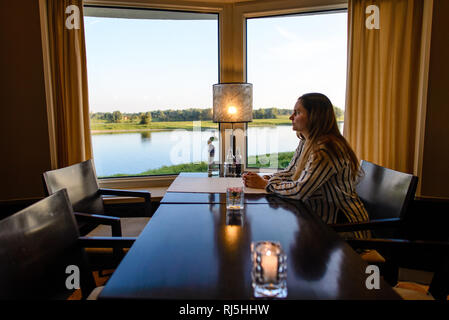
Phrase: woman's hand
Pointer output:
(253, 180)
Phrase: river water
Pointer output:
(135, 152)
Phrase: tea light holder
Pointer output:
(269, 270)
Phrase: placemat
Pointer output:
(212, 185)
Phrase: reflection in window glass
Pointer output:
(288, 56)
(150, 75)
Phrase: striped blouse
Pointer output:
(325, 185)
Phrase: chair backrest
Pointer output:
(38, 243)
(386, 193)
(81, 184)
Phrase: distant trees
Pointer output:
(269, 113)
(145, 117)
(108, 117)
(192, 114)
(273, 113)
(117, 116)
(159, 115)
(134, 118)
(182, 115)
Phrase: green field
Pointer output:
(175, 169)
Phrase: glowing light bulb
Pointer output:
(232, 110)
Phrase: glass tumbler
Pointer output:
(234, 198)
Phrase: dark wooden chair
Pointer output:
(38, 243)
(386, 195)
(430, 256)
(87, 200)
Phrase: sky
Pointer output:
(293, 55)
(137, 65)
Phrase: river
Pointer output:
(135, 152)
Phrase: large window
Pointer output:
(288, 56)
(150, 76)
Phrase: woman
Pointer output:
(324, 169)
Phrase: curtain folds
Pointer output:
(69, 81)
(383, 81)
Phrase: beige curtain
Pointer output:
(69, 81)
(382, 82)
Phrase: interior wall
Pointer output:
(23, 123)
(435, 168)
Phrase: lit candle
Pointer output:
(269, 263)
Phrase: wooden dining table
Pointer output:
(193, 248)
(174, 197)
(207, 198)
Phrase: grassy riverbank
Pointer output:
(258, 162)
(101, 126)
(175, 169)
(283, 159)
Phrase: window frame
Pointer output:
(148, 180)
(252, 16)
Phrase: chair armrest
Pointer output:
(114, 222)
(126, 193)
(146, 195)
(106, 242)
(377, 224)
(116, 243)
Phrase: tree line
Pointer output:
(192, 114)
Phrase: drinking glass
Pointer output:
(234, 198)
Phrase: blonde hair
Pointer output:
(323, 132)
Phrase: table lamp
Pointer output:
(233, 103)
